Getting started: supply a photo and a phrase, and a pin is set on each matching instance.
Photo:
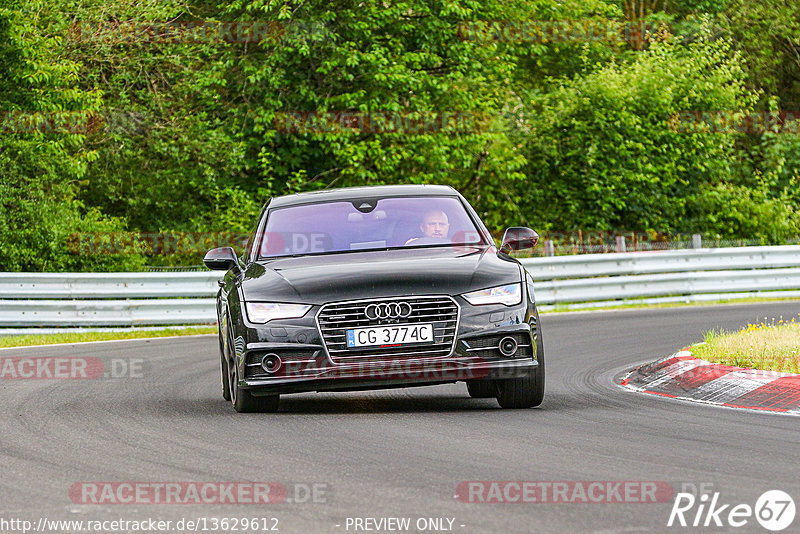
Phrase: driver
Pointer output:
(434, 225)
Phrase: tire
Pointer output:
(243, 401)
(525, 392)
(223, 364)
(482, 389)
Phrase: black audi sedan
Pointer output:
(376, 287)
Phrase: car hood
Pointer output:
(355, 275)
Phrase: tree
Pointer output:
(45, 117)
(617, 150)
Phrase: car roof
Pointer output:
(350, 193)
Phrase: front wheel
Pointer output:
(524, 392)
(482, 389)
(243, 401)
(223, 364)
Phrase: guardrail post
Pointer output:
(549, 249)
(620, 243)
(697, 241)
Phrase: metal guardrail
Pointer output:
(169, 298)
(668, 261)
(660, 285)
(729, 273)
(132, 312)
(107, 285)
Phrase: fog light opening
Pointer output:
(271, 363)
(508, 347)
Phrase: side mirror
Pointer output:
(221, 259)
(518, 238)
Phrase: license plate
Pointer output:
(390, 336)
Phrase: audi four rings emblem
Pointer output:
(388, 310)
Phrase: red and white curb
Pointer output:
(682, 376)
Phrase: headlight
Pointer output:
(264, 312)
(508, 295)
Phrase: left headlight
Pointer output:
(264, 312)
(508, 295)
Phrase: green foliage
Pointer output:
(168, 157)
(400, 58)
(731, 210)
(607, 150)
(767, 32)
(188, 136)
(777, 152)
(43, 162)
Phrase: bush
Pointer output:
(606, 151)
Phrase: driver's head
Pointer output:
(435, 224)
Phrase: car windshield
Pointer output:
(367, 224)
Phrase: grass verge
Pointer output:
(769, 346)
(561, 308)
(82, 337)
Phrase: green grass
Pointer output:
(560, 308)
(82, 337)
(769, 346)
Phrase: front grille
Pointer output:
(335, 319)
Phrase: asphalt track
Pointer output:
(398, 453)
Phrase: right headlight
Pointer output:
(264, 312)
(509, 295)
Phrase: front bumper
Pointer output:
(397, 373)
(307, 367)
